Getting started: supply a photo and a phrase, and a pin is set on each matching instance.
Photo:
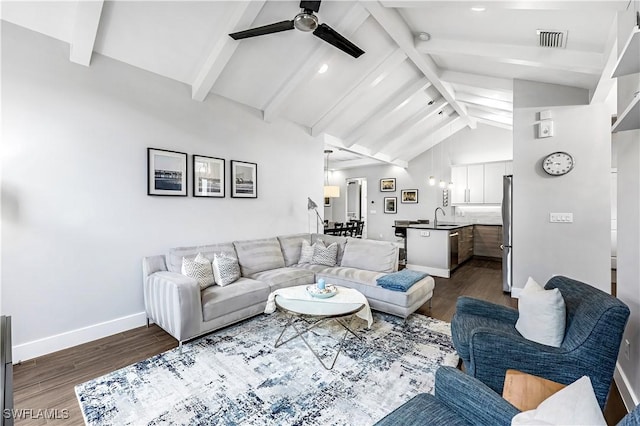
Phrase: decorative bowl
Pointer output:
(328, 291)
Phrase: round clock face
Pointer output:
(558, 163)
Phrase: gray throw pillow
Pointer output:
(225, 269)
(306, 252)
(198, 269)
(324, 255)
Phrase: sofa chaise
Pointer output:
(176, 303)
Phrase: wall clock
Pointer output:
(558, 163)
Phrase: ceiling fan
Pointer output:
(305, 21)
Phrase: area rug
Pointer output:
(236, 377)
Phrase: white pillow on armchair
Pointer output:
(542, 314)
(574, 405)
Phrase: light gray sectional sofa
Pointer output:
(176, 303)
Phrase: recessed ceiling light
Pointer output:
(478, 8)
(323, 69)
(424, 36)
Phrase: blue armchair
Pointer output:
(485, 337)
(461, 400)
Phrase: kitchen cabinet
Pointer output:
(487, 240)
(465, 244)
(468, 184)
(479, 183)
(629, 63)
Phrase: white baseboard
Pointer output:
(629, 397)
(515, 292)
(437, 272)
(47, 345)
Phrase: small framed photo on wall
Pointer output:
(244, 179)
(390, 205)
(208, 176)
(409, 196)
(388, 185)
(327, 201)
(166, 172)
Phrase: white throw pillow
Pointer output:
(324, 255)
(225, 269)
(574, 405)
(306, 252)
(198, 269)
(542, 314)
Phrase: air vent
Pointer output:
(552, 38)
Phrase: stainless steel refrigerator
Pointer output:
(507, 228)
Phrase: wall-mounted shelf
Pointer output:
(630, 117)
(629, 59)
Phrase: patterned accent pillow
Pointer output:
(306, 252)
(324, 255)
(198, 269)
(225, 269)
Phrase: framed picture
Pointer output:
(166, 172)
(208, 176)
(244, 179)
(409, 196)
(388, 185)
(327, 201)
(390, 204)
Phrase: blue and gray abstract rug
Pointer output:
(236, 377)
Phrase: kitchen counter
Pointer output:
(439, 250)
(448, 226)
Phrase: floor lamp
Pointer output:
(311, 205)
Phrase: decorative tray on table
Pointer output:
(328, 291)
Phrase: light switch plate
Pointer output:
(545, 129)
(561, 217)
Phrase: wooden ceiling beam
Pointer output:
(240, 17)
(85, 30)
(577, 61)
(391, 21)
(363, 152)
(468, 98)
(407, 125)
(494, 124)
(407, 142)
(348, 25)
(455, 125)
(374, 77)
(396, 102)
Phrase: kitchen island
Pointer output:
(438, 250)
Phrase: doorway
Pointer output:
(356, 201)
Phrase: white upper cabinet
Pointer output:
(479, 183)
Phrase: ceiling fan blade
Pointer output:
(310, 5)
(266, 29)
(332, 37)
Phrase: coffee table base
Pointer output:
(300, 333)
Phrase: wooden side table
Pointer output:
(526, 391)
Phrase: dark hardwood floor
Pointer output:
(48, 382)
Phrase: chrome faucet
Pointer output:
(435, 216)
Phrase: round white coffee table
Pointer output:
(319, 311)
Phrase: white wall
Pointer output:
(541, 249)
(484, 144)
(76, 218)
(628, 283)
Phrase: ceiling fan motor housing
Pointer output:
(305, 21)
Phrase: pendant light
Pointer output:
(441, 184)
(432, 179)
(330, 191)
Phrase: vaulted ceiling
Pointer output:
(400, 98)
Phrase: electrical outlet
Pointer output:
(627, 349)
(424, 233)
(561, 217)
